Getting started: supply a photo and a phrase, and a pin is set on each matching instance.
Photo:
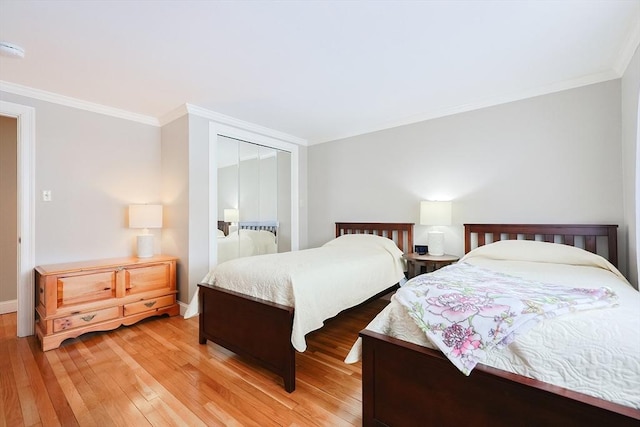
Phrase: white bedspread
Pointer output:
(319, 283)
(593, 352)
(243, 243)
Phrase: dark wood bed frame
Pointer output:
(409, 385)
(261, 330)
(271, 226)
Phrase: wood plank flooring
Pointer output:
(155, 373)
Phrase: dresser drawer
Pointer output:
(149, 278)
(149, 304)
(83, 288)
(84, 319)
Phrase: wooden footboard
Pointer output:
(250, 327)
(408, 385)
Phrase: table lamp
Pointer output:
(435, 213)
(145, 217)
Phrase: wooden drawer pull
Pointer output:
(150, 303)
(88, 317)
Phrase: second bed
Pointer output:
(262, 307)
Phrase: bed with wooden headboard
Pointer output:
(409, 384)
(270, 226)
(262, 330)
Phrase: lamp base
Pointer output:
(436, 243)
(145, 245)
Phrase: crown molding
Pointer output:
(628, 50)
(55, 98)
(173, 115)
(241, 124)
(488, 102)
(76, 103)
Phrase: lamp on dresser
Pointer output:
(145, 217)
(435, 213)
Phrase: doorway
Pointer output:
(9, 214)
(25, 117)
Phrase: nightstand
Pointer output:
(415, 262)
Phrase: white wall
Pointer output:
(630, 94)
(549, 159)
(95, 166)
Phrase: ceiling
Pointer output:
(317, 70)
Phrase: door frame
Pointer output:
(26, 117)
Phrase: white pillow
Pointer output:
(530, 250)
(366, 240)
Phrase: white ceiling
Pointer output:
(318, 70)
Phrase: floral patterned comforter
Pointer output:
(467, 311)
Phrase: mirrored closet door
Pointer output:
(254, 199)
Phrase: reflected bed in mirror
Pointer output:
(246, 239)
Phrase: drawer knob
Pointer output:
(88, 317)
(150, 304)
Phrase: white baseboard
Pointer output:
(8, 306)
(183, 308)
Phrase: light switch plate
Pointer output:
(46, 195)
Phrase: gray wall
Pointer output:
(549, 159)
(185, 194)
(630, 162)
(95, 166)
(8, 209)
(175, 197)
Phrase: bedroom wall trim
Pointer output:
(484, 103)
(76, 103)
(627, 51)
(8, 306)
(148, 120)
(245, 126)
(26, 117)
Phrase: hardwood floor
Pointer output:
(156, 373)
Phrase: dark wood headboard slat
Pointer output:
(561, 233)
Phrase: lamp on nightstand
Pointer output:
(435, 213)
(145, 217)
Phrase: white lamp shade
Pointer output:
(145, 216)
(435, 213)
(231, 215)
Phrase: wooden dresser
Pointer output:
(80, 297)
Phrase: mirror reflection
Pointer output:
(254, 199)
